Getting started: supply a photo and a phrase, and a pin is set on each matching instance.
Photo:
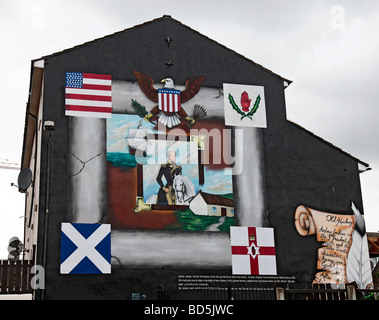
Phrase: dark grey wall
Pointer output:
(299, 168)
(303, 170)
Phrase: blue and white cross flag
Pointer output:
(85, 248)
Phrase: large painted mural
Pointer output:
(160, 179)
(167, 166)
(164, 170)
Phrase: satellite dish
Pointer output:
(24, 179)
(15, 248)
(14, 242)
(12, 251)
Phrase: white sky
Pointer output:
(328, 48)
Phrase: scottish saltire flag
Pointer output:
(253, 251)
(169, 100)
(88, 95)
(85, 248)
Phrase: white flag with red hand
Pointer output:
(244, 105)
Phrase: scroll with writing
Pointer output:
(335, 232)
(343, 256)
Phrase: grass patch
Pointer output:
(187, 220)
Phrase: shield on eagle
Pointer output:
(169, 100)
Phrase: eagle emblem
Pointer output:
(169, 109)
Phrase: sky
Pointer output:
(327, 48)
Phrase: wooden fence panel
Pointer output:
(15, 276)
(26, 277)
(313, 292)
(4, 276)
(325, 292)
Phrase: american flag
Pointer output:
(169, 100)
(88, 95)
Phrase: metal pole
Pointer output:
(279, 293)
(46, 211)
(351, 293)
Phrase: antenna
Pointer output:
(15, 248)
(6, 164)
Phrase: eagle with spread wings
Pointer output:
(170, 117)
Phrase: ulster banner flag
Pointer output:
(253, 250)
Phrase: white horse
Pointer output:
(184, 189)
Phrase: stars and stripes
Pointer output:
(169, 100)
(88, 95)
(85, 248)
(253, 250)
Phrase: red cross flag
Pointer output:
(253, 250)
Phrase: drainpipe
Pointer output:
(35, 160)
(48, 126)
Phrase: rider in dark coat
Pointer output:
(166, 193)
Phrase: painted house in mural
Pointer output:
(122, 132)
(206, 204)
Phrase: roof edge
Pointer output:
(364, 164)
(234, 52)
(287, 81)
(32, 105)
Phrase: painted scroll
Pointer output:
(337, 233)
